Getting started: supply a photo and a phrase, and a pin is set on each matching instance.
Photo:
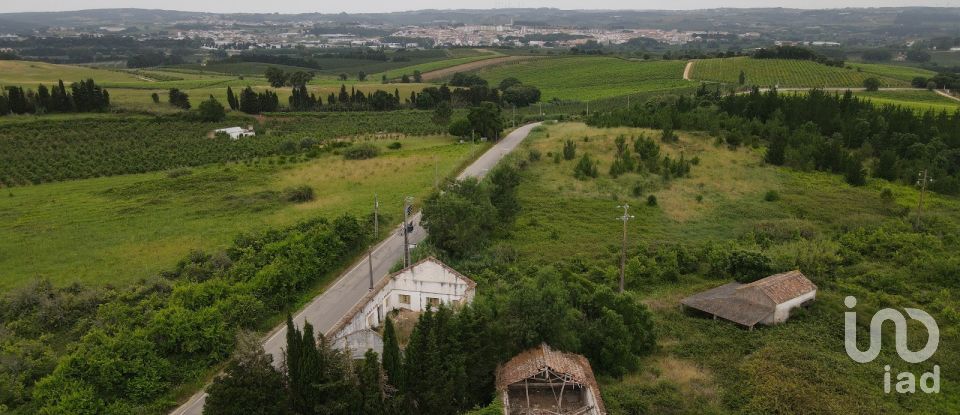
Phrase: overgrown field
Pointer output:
(38, 150)
(588, 78)
(795, 73)
(119, 229)
(848, 240)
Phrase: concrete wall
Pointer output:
(782, 312)
(425, 281)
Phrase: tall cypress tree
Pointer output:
(372, 385)
(292, 360)
(392, 363)
(232, 99)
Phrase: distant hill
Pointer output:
(891, 18)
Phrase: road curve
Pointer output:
(327, 308)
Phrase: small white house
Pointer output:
(427, 283)
(236, 133)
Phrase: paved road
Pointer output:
(326, 309)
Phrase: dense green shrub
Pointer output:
(361, 152)
(298, 194)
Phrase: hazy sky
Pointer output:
(332, 6)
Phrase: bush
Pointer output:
(298, 194)
(534, 155)
(569, 150)
(361, 152)
(394, 145)
(211, 110)
(871, 84)
(585, 168)
(771, 196)
(651, 200)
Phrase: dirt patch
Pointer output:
(473, 66)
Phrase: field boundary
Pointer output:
(475, 66)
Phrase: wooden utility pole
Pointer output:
(407, 206)
(922, 180)
(623, 249)
(370, 264)
(376, 213)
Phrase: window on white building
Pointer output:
(403, 299)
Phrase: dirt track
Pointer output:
(686, 71)
(473, 66)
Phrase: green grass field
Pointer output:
(710, 366)
(589, 78)
(920, 99)
(796, 73)
(119, 229)
(900, 72)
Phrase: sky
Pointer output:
(331, 6)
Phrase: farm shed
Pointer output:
(236, 133)
(765, 301)
(542, 381)
(427, 283)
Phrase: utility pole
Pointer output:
(407, 206)
(922, 180)
(436, 174)
(623, 249)
(370, 264)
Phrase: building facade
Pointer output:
(427, 283)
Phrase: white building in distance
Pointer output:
(236, 133)
(427, 283)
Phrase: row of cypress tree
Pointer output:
(83, 96)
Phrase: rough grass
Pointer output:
(793, 73)
(119, 229)
(705, 366)
(588, 78)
